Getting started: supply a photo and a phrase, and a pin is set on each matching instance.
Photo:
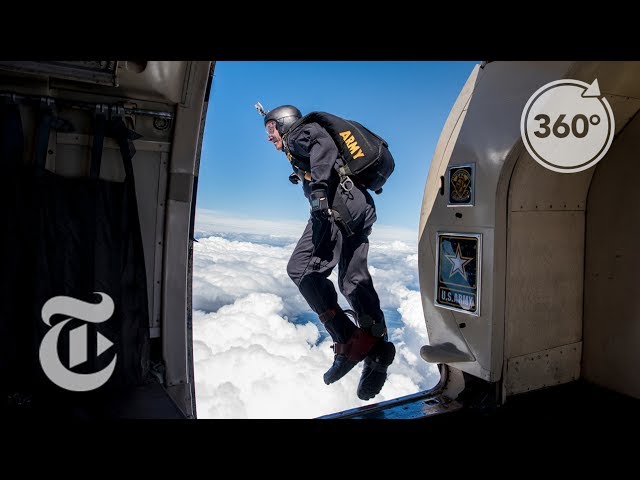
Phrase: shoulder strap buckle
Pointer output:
(346, 183)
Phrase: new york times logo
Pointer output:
(50, 360)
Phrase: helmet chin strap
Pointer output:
(285, 148)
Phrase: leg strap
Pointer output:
(357, 347)
(328, 315)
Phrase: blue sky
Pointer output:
(406, 103)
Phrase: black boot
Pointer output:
(340, 327)
(341, 366)
(374, 372)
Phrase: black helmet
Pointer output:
(284, 116)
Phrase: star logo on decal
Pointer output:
(457, 263)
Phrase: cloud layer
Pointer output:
(260, 352)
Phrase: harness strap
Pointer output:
(11, 136)
(47, 121)
(328, 315)
(357, 347)
(98, 142)
(42, 140)
(341, 214)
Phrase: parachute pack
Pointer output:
(367, 158)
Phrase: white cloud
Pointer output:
(394, 235)
(209, 222)
(260, 352)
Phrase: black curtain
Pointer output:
(70, 242)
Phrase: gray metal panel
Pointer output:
(158, 245)
(74, 151)
(160, 81)
(544, 280)
(146, 171)
(535, 188)
(174, 292)
(441, 325)
(529, 209)
(180, 187)
(553, 366)
(94, 71)
(486, 137)
(611, 310)
(446, 143)
(490, 130)
(178, 215)
(86, 140)
(617, 78)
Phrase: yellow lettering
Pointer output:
(352, 145)
(345, 134)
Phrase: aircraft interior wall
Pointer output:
(165, 103)
(571, 274)
(69, 155)
(544, 284)
(611, 331)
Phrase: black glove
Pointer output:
(294, 178)
(319, 204)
